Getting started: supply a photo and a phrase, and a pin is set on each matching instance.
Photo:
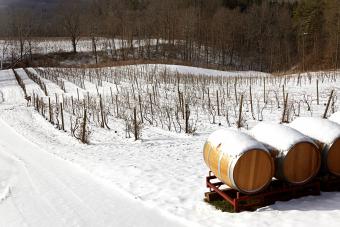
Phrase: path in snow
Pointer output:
(48, 191)
(10, 92)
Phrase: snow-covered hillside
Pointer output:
(38, 188)
(49, 178)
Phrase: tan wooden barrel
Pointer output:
(333, 158)
(297, 157)
(325, 133)
(239, 160)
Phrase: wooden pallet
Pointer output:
(277, 191)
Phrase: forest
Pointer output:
(264, 35)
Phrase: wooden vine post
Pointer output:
(218, 104)
(284, 120)
(235, 90)
(327, 107)
(187, 116)
(240, 113)
(140, 108)
(251, 102)
(151, 108)
(317, 92)
(83, 136)
(183, 106)
(62, 117)
(135, 123)
(264, 90)
(78, 94)
(42, 107)
(50, 108)
(102, 124)
(117, 108)
(72, 102)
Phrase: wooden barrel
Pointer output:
(297, 157)
(327, 135)
(239, 160)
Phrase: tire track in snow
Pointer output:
(7, 174)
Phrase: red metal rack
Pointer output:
(329, 183)
(277, 191)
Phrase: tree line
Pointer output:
(264, 35)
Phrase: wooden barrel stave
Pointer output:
(301, 163)
(332, 158)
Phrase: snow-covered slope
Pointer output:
(7, 172)
(31, 86)
(10, 92)
(196, 71)
(210, 72)
(163, 174)
(51, 87)
(166, 171)
(39, 189)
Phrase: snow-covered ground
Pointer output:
(38, 188)
(161, 179)
(10, 91)
(202, 71)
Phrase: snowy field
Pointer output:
(48, 177)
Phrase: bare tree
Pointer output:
(70, 15)
(22, 25)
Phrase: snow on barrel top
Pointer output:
(327, 134)
(236, 141)
(335, 117)
(278, 136)
(320, 129)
